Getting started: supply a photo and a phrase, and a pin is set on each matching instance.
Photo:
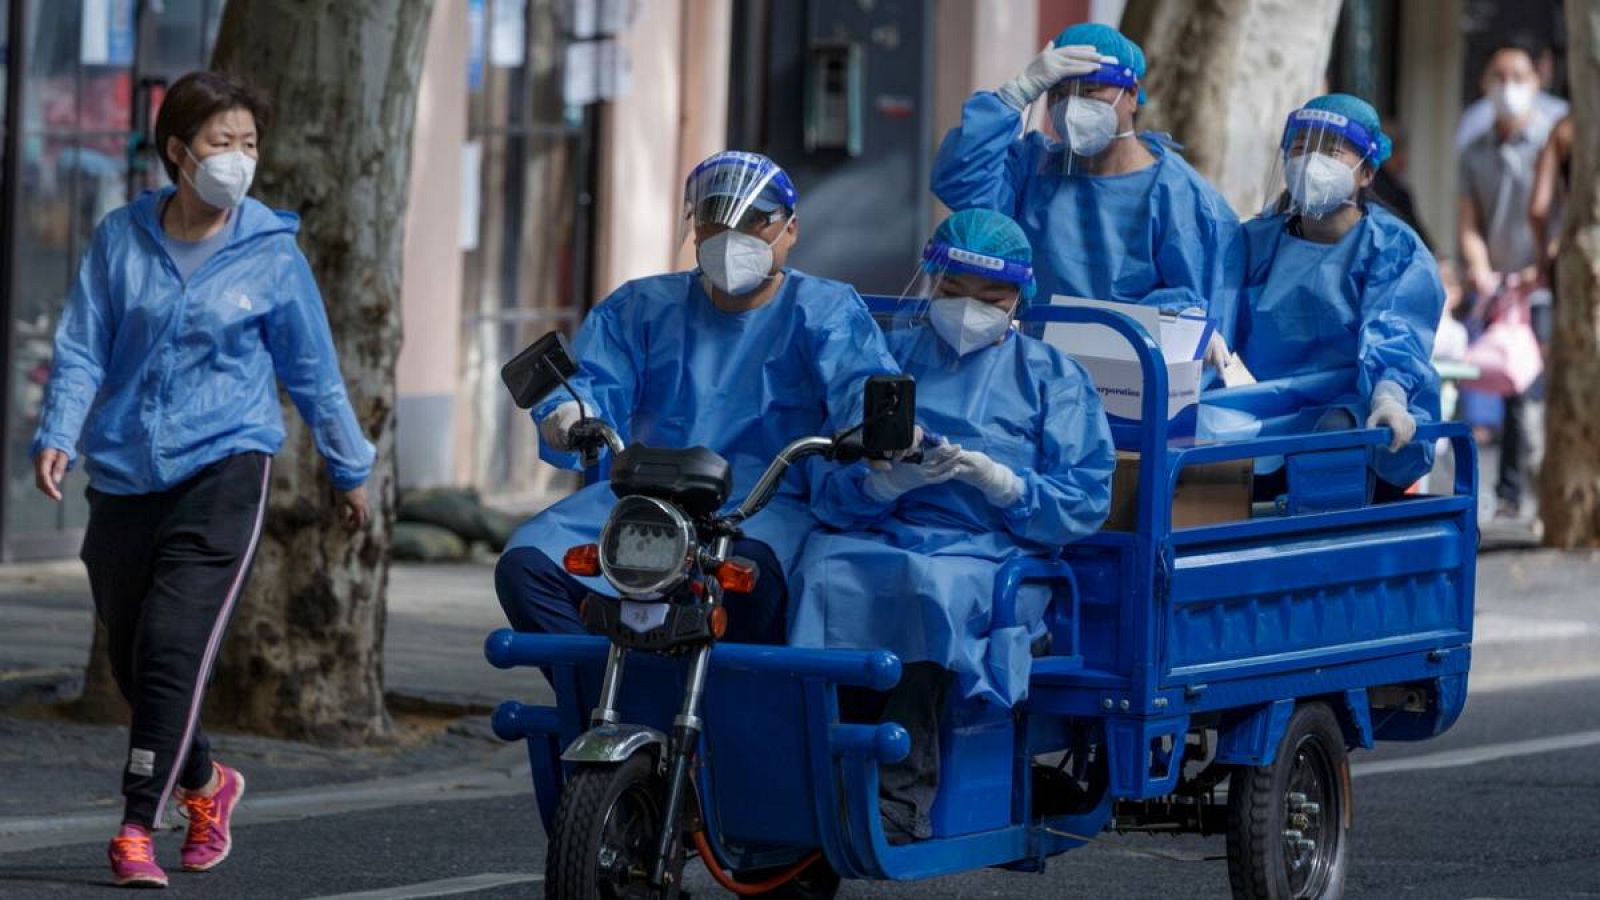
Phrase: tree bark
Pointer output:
(303, 657)
(1222, 76)
(1569, 483)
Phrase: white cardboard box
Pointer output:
(1114, 366)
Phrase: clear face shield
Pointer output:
(1085, 114)
(1322, 161)
(735, 207)
(958, 303)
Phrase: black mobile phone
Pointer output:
(889, 414)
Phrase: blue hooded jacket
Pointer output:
(154, 379)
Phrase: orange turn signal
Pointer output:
(583, 559)
(719, 622)
(737, 576)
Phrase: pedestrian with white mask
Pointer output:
(192, 304)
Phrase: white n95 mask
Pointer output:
(735, 262)
(1086, 124)
(1318, 183)
(967, 324)
(223, 179)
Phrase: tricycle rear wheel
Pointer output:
(1287, 822)
(605, 833)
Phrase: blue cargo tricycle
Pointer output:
(1207, 679)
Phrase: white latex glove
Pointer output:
(1000, 486)
(888, 481)
(1389, 411)
(1216, 355)
(556, 427)
(1046, 71)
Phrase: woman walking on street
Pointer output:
(190, 305)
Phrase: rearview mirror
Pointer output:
(539, 370)
(889, 415)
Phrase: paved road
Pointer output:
(1506, 805)
(1522, 825)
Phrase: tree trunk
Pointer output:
(303, 657)
(1224, 74)
(1569, 484)
(100, 700)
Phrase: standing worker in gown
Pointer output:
(1111, 214)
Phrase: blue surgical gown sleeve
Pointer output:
(82, 351)
(983, 163)
(847, 349)
(607, 380)
(1400, 310)
(1199, 248)
(841, 500)
(303, 355)
(1068, 495)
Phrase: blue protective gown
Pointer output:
(1161, 236)
(667, 368)
(916, 576)
(1319, 325)
(159, 378)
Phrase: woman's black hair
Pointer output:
(194, 99)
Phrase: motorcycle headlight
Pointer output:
(645, 547)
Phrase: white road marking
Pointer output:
(506, 776)
(1493, 682)
(1472, 756)
(442, 888)
(1494, 628)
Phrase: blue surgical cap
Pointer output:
(1110, 42)
(992, 234)
(1361, 113)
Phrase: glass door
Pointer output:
(90, 75)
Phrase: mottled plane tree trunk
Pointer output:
(1569, 482)
(304, 655)
(1224, 74)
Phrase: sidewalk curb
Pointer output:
(39, 687)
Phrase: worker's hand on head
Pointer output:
(49, 467)
(1389, 411)
(1048, 69)
(999, 485)
(556, 428)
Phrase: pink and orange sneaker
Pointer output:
(133, 858)
(209, 838)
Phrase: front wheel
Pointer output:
(1287, 831)
(605, 834)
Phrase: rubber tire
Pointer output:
(1256, 869)
(818, 882)
(590, 792)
